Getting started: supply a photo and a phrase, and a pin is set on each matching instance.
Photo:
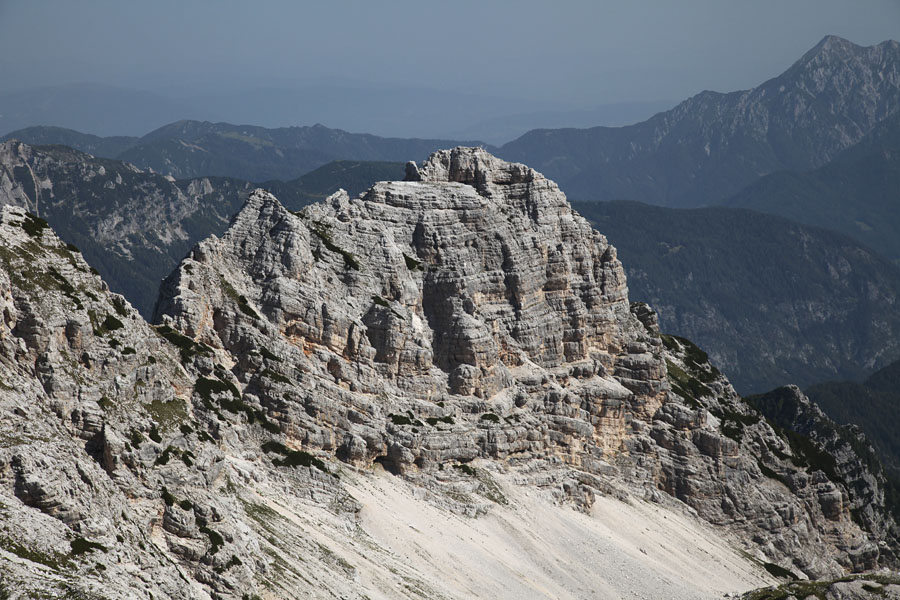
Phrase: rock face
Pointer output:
(839, 451)
(468, 312)
(83, 382)
(475, 281)
(464, 329)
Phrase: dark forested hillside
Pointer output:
(773, 301)
(190, 149)
(874, 405)
(102, 147)
(858, 193)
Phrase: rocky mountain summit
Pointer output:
(438, 388)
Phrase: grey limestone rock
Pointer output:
(460, 323)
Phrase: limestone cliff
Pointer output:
(464, 330)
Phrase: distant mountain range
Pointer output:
(702, 152)
(858, 193)
(101, 147)
(384, 110)
(188, 149)
(712, 145)
(771, 300)
(502, 129)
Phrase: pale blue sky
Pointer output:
(537, 55)
(586, 51)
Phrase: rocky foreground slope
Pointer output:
(437, 389)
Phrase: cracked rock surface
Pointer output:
(463, 330)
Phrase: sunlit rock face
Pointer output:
(464, 330)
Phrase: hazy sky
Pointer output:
(582, 52)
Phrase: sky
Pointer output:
(565, 54)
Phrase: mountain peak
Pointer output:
(472, 166)
(828, 47)
(833, 46)
(830, 42)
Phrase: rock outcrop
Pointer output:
(463, 329)
(469, 313)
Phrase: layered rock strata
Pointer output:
(463, 329)
(469, 313)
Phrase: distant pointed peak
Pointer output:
(831, 41)
(828, 46)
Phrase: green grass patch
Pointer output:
(163, 459)
(119, 305)
(187, 347)
(733, 423)
(67, 288)
(292, 458)
(400, 419)
(136, 438)
(780, 572)
(54, 561)
(412, 264)
(466, 469)
(110, 323)
(244, 307)
(275, 376)
(321, 232)
(206, 388)
(167, 414)
(687, 386)
(216, 541)
(268, 355)
(695, 359)
(81, 546)
(34, 226)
